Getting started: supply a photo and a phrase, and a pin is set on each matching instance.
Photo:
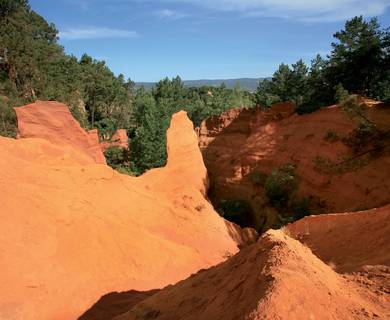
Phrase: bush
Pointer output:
(366, 135)
(8, 126)
(258, 178)
(115, 155)
(341, 94)
(119, 159)
(382, 90)
(324, 165)
(331, 136)
(280, 184)
(237, 211)
(307, 107)
(351, 106)
(301, 208)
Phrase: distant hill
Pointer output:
(249, 84)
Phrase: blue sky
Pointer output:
(147, 40)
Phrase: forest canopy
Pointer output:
(33, 65)
(359, 61)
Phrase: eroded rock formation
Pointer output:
(241, 147)
(53, 122)
(73, 229)
(79, 239)
(280, 278)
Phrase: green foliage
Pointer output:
(258, 178)
(119, 159)
(280, 184)
(320, 90)
(352, 107)
(9, 6)
(265, 97)
(331, 136)
(280, 188)
(324, 165)
(366, 136)
(148, 146)
(341, 94)
(105, 96)
(359, 62)
(237, 211)
(34, 66)
(300, 75)
(356, 110)
(153, 110)
(307, 107)
(297, 84)
(358, 55)
(301, 208)
(289, 84)
(348, 164)
(7, 118)
(116, 155)
(381, 89)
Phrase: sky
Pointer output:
(147, 40)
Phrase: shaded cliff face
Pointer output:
(280, 278)
(241, 147)
(73, 229)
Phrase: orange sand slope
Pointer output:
(73, 230)
(280, 278)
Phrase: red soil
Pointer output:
(73, 230)
(240, 143)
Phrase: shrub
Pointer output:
(353, 108)
(125, 170)
(341, 94)
(367, 134)
(382, 90)
(331, 136)
(8, 127)
(301, 208)
(280, 184)
(307, 107)
(119, 159)
(237, 211)
(115, 155)
(258, 178)
(323, 165)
